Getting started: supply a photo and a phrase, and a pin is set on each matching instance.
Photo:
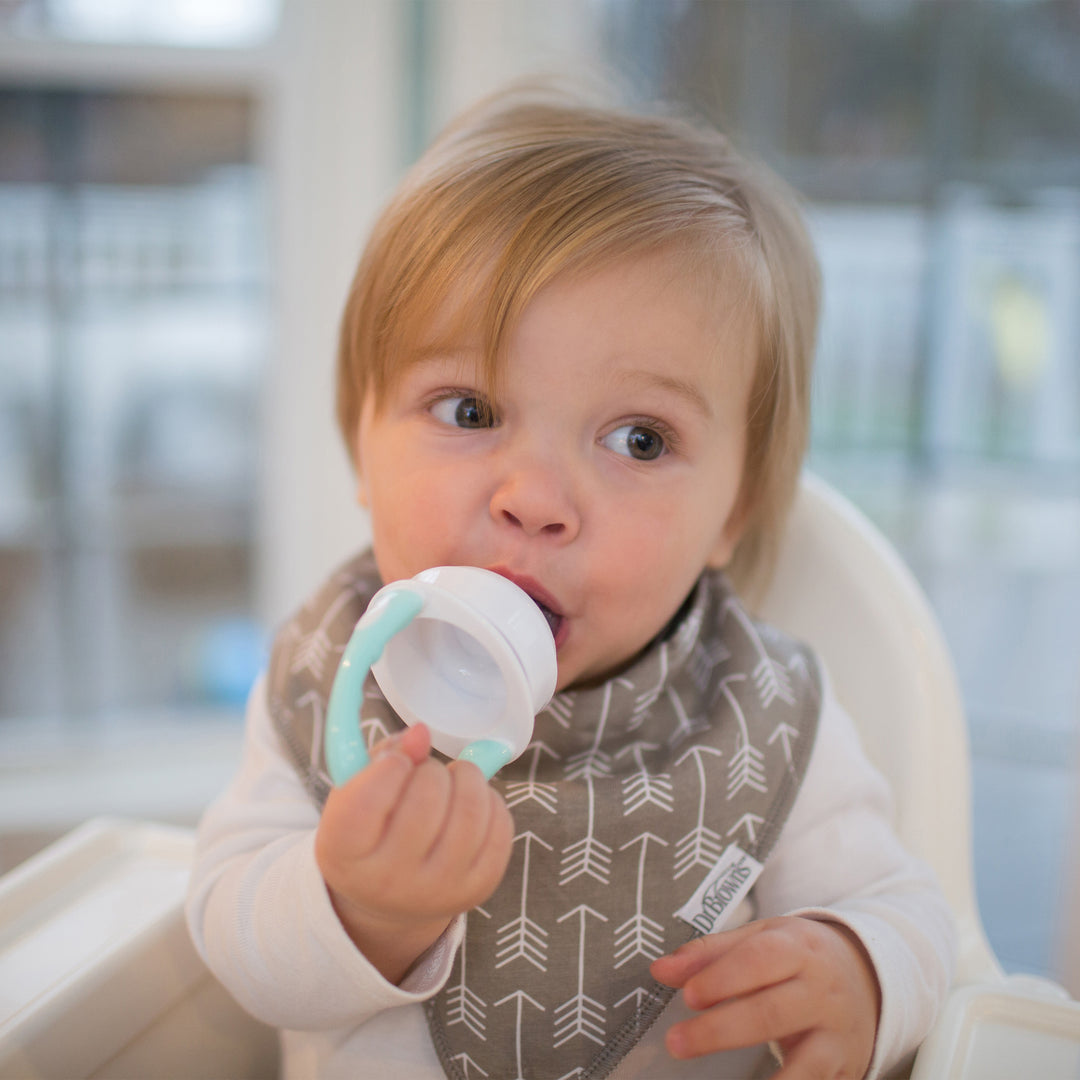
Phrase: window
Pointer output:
(208, 23)
(936, 145)
(132, 311)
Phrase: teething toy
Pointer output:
(460, 648)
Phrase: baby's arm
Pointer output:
(261, 915)
(839, 874)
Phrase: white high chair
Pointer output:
(98, 977)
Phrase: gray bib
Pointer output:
(624, 804)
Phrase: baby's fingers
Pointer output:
(815, 1055)
(417, 822)
(779, 1012)
(755, 962)
(472, 802)
(414, 742)
(357, 814)
(481, 832)
(686, 961)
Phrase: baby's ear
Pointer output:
(721, 554)
(730, 535)
(361, 488)
(357, 454)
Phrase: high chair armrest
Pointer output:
(98, 975)
(1018, 1026)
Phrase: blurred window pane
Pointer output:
(1026, 84)
(860, 79)
(203, 23)
(132, 312)
(937, 144)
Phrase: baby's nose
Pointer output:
(538, 501)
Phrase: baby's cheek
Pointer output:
(411, 536)
(638, 609)
(650, 564)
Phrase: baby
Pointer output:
(577, 352)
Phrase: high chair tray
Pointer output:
(93, 946)
(1018, 1027)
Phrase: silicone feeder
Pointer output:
(460, 648)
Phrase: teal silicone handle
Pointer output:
(488, 755)
(346, 753)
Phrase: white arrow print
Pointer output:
(588, 855)
(686, 726)
(638, 996)
(467, 1064)
(770, 676)
(372, 690)
(701, 846)
(521, 938)
(704, 660)
(315, 648)
(520, 997)
(373, 729)
(311, 653)
(561, 707)
(580, 1015)
(749, 822)
(523, 790)
(642, 787)
(785, 733)
(362, 586)
(644, 701)
(747, 765)
(639, 935)
(318, 718)
(463, 1006)
(593, 761)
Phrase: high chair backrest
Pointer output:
(842, 587)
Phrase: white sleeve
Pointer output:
(259, 912)
(839, 859)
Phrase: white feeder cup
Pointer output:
(460, 648)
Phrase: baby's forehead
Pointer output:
(456, 335)
(462, 308)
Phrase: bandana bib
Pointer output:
(642, 808)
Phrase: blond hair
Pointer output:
(527, 186)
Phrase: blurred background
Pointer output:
(184, 189)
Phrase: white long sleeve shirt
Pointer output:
(261, 918)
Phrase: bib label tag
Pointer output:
(724, 888)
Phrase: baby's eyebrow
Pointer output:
(449, 353)
(466, 361)
(658, 380)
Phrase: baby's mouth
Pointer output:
(554, 621)
(558, 624)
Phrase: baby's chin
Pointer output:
(576, 678)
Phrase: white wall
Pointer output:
(482, 44)
(333, 130)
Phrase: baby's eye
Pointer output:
(635, 441)
(463, 411)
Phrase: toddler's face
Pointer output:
(602, 480)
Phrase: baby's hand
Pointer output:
(806, 984)
(407, 844)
